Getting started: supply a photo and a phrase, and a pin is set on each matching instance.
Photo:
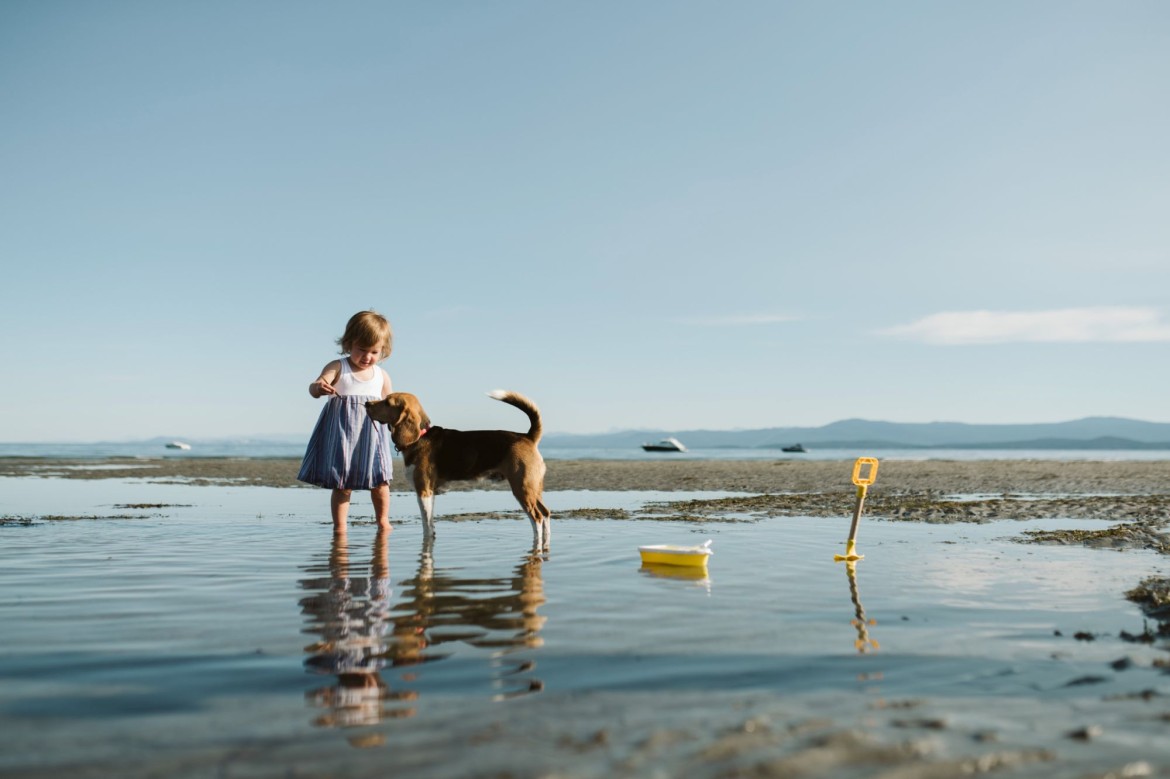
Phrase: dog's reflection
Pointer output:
(364, 632)
(437, 609)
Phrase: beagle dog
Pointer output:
(439, 455)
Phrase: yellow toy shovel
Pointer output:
(864, 473)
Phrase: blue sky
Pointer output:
(643, 215)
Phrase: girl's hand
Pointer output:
(324, 383)
(321, 387)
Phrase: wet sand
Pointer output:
(926, 490)
(1139, 477)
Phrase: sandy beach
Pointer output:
(1081, 477)
(914, 490)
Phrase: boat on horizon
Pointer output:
(794, 448)
(178, 445)
(665, 445)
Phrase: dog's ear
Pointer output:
(407, 428)
(396, 407)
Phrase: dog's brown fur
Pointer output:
(439, 455)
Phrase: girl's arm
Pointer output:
(386, 388)
(324, 383)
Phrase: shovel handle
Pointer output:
(865, 471)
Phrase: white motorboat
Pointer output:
(178, 445)
(665, 445)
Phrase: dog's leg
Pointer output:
(538, 515)
(527, 490)
(426, 506)
(527, 502)
(546, 519)
(545, 534)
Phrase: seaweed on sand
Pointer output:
(1132, 535)
(1153, 595)
(11, 520)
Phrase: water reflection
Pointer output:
(438, 610)
(363, 630)
(350, 613)
(695, 574)
(864, 642)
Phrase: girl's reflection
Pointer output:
(361, 635)
(351, 616)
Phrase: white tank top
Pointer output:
(346, 384)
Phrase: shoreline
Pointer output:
(934, 477)
(1132, 492)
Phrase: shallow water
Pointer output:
(226, 632)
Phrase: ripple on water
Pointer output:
(226, 618)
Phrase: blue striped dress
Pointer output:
(347, 449)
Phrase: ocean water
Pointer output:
(170, 630)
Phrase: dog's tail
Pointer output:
(527, 406)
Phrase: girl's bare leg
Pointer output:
(380, 495)
(339, 507)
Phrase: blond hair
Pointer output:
(367, 329)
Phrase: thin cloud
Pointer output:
(1101, 324)
(741, 320)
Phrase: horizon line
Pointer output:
(272, 437)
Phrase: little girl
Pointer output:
(349, 451)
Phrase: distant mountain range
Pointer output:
(1088, 433)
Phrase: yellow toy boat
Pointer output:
(668, 554)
